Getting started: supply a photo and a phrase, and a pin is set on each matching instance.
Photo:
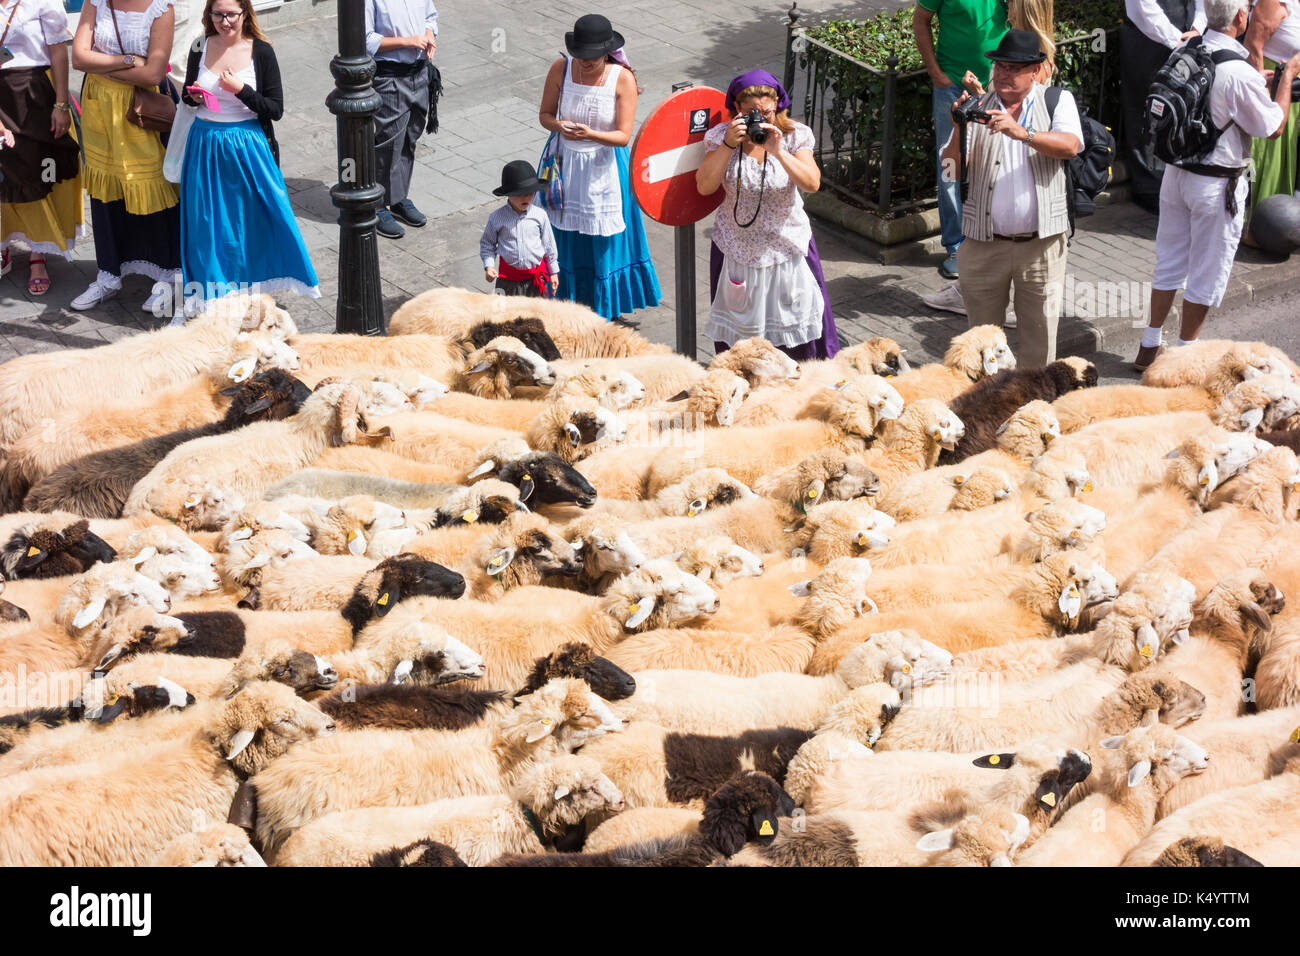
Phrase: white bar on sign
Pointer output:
(674, 162)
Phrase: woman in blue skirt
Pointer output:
(590, 100)
(237, 228)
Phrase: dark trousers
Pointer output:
(1139, 59)
(403, 108)
(510, 287)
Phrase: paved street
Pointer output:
(493, 56)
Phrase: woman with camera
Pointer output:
(765, 277)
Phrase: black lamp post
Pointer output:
(357, 195)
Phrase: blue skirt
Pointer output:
(611, 274)
(238, 232)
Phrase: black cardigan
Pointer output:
(267, 101)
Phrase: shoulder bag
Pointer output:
(548, 167)
(149, 109)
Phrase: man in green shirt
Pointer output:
(966, 29)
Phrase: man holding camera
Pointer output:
(1015, 216)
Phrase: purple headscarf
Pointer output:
(757, 78)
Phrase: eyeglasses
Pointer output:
(226, 17)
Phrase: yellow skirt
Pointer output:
(122, 161)
(50, 225)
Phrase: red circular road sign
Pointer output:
(668, 149)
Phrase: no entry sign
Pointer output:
(667, 151)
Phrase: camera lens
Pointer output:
(754, 126)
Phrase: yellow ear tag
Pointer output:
(766, 829)
(1146, 651)
(936, 434)
(812, 494)
(995, 760)
(546, 721)
(1049, 798)
(907, 668)
(352, 535)
(496, 562)
(244, 527)
(383, 599)
(469, 517)
(191, 501)
(841, 383)
(957, 479)
(1074, 592)
(33, 551)
(697, 569)
(690, 512)
(1087, 487)
(1205, 480)
(526, 477)
(862, 541)
(632, 609)
(1295, 736)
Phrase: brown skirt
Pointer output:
(37, 160)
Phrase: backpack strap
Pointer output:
(1051, 97)
(1223, 56)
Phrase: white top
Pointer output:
(782, 231)
(134, 27)
(1014, 204)
(36, 24)
(1239, 101)
(593, 196)
(232, 110)
(1151, 20)
(398, 18)
(1285, 41)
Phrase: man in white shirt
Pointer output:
(1015, 214)
(402, 36)
(1202, 204)
(1151, 30)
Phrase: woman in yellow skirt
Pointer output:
(40, 192)
(134, 211)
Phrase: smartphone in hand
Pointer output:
(208, 98)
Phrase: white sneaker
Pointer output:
(1010, 321)
(947, 299)
(158, 298)
(95, 293)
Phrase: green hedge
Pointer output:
(849, 101)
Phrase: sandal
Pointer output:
(37, 285)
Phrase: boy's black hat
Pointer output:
(518, 179)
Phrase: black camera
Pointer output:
(754, 127)
(970, 112)
(1277, 81)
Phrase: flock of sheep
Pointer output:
(515, 586)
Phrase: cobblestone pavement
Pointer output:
(493, 56)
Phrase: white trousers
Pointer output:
(1197, 239)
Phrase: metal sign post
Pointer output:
(666, 152)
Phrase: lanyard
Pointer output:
(10, 22)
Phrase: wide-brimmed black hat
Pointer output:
(518, 179)
(1018, 46)
(592, 37)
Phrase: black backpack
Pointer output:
(1177, 123)
(1087, 173)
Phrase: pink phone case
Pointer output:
(209, 99)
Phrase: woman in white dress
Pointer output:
(590, 101)
(765, 277)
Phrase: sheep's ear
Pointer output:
(1138, 771)
(1070, 602)
(526, 486)
(796, 527)
(1253, 612)
(112, 654)
(500, 560)
(996, 761)
(958, 480)
(1002, 427)
(726, 413)
(1172, 455)
(801, 588)
(485, 468)
(764, 826)
(1147, 641)
(639, 610)
(575, 436)
(865, 605)
(230, 391)
(144, 554)
(482, 365)
(111, 711)
(1112, 743)
(1151, 716)
(538, 729)
(696, 507)
(356, 542)
(1048, 793)
(812, 494)
(680, 396)
(259, 560)
(386, 599)
(561, 792)
(936, 841)
(89, 611)
(402, 672)
(238, 742)
(1251, 418)
(242, 370)
(257, 407)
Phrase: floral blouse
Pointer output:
(782, 230)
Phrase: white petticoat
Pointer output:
(781, 303)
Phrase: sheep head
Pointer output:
(923, 661)
(249, 313)
(546, 478)
(1262, 402)
(279, 661)
(825, 475)
(524, 549)
(249, 354)
(1035, 779)
(528, 329)
(1245, 602)
(1052, 477)
(1153, 755)
(571, 427)
(1082, 373)
(839, 529)
(605, 545)
(758, 361)
(104, 698)
(658, 594)
(504, 364)
(1060, 525)
(701, 490)
(563, 713)
(351, 425)
(863, 713)
(979, 352)
(836, 595)
(1066, 584)
(934, 424)
(393, 580)
(242, 563)
(745, 809)
(1270, 485)
(716, 398)
(1030, 430)
(197, 504)
(282, 514)
(53, 546)
(863, 404)
(138, 630)
(261, 722)
(577, 660)
(563, 792)
(881, 355)
(982, 487)
(990, 836)
(94, 599)
(718, 560)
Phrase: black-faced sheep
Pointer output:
(51, 548)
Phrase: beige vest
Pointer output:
(984, 166)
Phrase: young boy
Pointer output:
(519, 235)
